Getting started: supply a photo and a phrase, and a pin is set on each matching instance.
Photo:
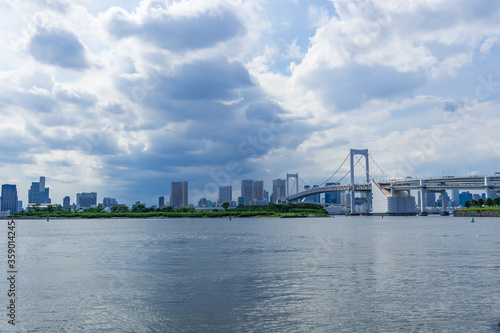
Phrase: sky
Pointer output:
(123, 97)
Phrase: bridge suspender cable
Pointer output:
(348, 172)
(326, 181)
(386, 177)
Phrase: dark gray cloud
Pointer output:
(180, 33)
(194, 92)
(58, 47)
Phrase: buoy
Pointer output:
(333, 216)
(472, 219)
(382, 216)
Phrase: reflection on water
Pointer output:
(354, 274)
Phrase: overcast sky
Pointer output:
(123, 97)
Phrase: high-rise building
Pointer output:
(464, 197)
(430, 199)
(86, 200)
(161, 201)
(225, 194)
(247, 191)
(66, 202)
(455, 197)
(258, 190)
(38, 193)
(179, 194)
(332, 197)
(279, 190)
(109, 202)
(9, 198)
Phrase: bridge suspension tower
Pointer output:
(363, 152)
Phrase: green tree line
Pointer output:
(480, 202)
(140, 211)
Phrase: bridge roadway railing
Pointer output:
(330, 188)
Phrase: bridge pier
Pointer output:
(422, 198)
(487, 188)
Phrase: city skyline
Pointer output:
(123, 97)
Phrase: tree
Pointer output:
(119, 209)
(475, 203)
(480, 202)
(225, 205)
(496, 201)
(167, 209)
(467, 204)
(489, 202)
(139, 208)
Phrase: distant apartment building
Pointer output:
(247, 191)
(225, 194)
(109, 202)
(258, 190)
(279, 190)
(9, 199)
(161, 202)
(86, 200)
(179, 194)
(38, 193)
(66, 202)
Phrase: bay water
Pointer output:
(341, 274)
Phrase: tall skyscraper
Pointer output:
(179, 194)
(161, 202)
(279, 190)
(66, 202)
(225, 194)
(430, 199)
(86, 200)
(9, 198)
(247, 191)
(455, 197)
(38, 193)
(258, 190)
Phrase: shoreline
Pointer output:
(477, 213)
(44, 218)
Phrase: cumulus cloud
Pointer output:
(58, 47)
(171, 30)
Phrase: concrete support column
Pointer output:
(487, 188)
(353, 206)
(422, 196)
